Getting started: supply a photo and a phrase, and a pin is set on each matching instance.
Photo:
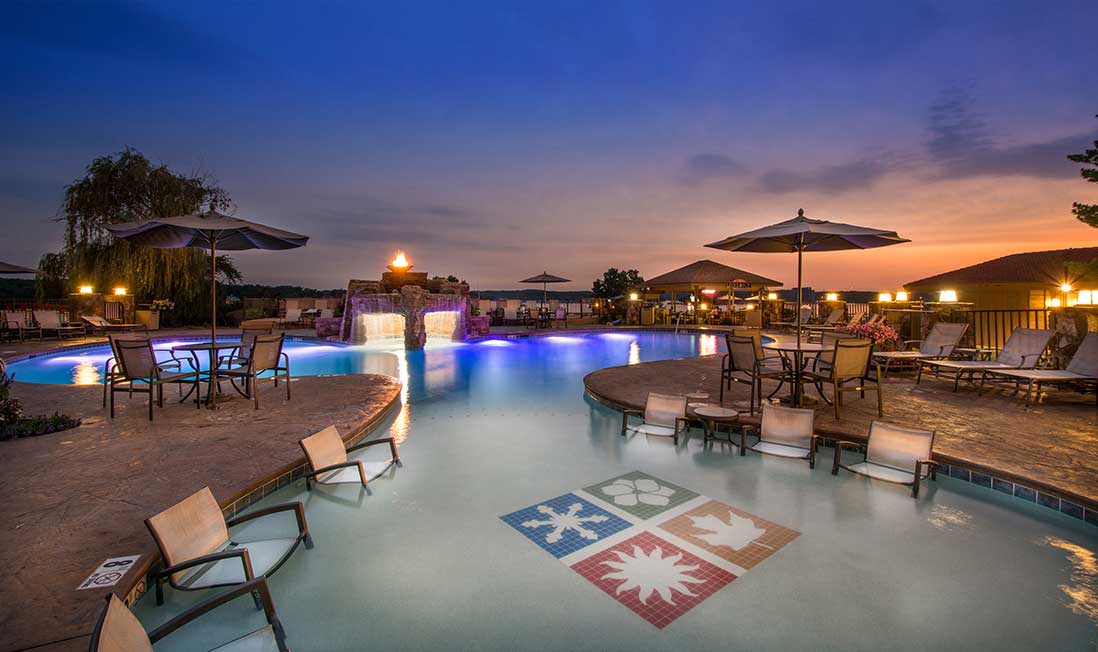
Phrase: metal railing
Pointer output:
(990, 328)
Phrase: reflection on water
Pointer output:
(86, 373)
(707, 344)
(634, 353)
(1081, 596)
(947, 518)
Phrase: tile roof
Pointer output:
(1040, 267)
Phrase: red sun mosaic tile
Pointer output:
(656, 579)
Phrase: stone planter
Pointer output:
(150, 318)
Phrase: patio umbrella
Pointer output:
(210, 230)
(802, 234)
(545, 278)
(8, 268)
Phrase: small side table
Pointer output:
(713, 417)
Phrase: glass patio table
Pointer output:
(796, 351)
(194, 348)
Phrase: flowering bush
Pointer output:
(163, 305)
(12, 422)
(883, 336)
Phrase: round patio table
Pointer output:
(797, 398)
(713, 417)
(195, 347)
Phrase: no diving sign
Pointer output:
(108, 573)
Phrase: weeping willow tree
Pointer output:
(127, 187)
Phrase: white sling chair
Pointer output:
(894, 453)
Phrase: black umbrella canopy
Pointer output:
(802, 234)
(8, 268)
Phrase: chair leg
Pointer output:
(287, 383)
(880, 396)
(838, 399)
(919, 373)
(112, 399)
(255, 390)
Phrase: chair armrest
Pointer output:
(333, 467)
(376, 442)
(843, 443)
(256, 586)
(297, 508)
(245, 559)
(1030, 355)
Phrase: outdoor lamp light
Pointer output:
(633, 296)
(1086, 297)
(120, 291)
(1052, 303)
(946, 296)
(750, 306)
(85, 289)
(773, 296)
(884, 297)
(832, 296)
(704, 306)
(901, 296)
(1066, 287)
(400, 263)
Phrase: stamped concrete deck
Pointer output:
(75, 498)
(1050, 447)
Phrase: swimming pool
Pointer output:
(437, 557)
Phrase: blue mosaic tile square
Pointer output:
(1071, 509)
(1003, 486)
(565, 524)
(1091, 517)
(959, 473)
(981, 479)
(1025, 493)
(1048, 500)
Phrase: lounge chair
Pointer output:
(197, 553)
(746, 362)
(1081, 372)
(664, 415)
(292, 316)
(266, 355)
(101, 325)
(136, 363)
(893, 453)
(17, 322)
(850, 363)
(806, 314)
(118, 630)
(787, 432)
(938, 345)
(561, 316)
(328, 463)
(50, 320)
(1023, 350)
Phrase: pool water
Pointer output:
(439, 557)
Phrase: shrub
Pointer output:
(883, 336)
(14, 425)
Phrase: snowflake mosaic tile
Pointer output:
(565, 524)
(732, 534)
(653, 577)
(655, 547)
(640, 494)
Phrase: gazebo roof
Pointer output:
(706, 273)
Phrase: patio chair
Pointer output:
(328, 462)
(893, 453)
(101, 325)
(111, 366)
(197, 553)
(664, 415)
(50, 320)
(561, 316)
(1081, 372)
(17, 322)
(786, 432)
(1023, 350)
(239, 355)
(266, 357)
(850, 363)
(746, 362)
(118, 630)
(938, 345)
(135, 363)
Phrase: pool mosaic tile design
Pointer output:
(641, 494)
(565, 524)
(655, 547)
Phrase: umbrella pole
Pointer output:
(213, 319)
(800, 296)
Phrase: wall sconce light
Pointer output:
(120, 291)
(884, 297)
(633, 296)
(832, 296)
(901, 296)
(773, 296)
(947, 296)
(86, 289)
(1066, 287)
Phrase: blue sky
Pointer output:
(493, 140)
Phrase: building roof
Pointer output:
(702, 273)
(1036, 267)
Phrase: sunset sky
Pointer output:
(495, 140)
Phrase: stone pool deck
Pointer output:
(78, 497)
(1051, 447)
